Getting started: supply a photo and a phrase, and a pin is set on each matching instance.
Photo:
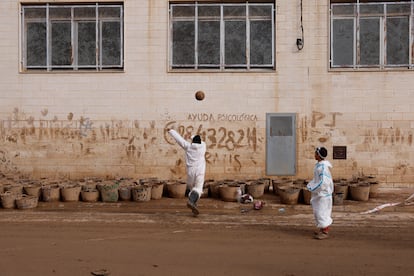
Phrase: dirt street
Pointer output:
(161, 237)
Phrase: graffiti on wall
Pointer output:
(6, 164)
(319, 127)
(232, 139)
(225, 145)
(216, 137)
(388, 136)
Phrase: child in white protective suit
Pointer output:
(321, 187)
(196, 167)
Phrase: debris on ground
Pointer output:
(408, 201)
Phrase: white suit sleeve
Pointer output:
(180, 140)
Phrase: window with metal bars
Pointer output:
(367, 34)
(222, 36)
(72, 37)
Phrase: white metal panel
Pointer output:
(280, 143)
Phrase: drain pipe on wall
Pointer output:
(300, 42)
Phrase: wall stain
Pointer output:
(233, 141)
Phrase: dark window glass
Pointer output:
(209, 42)
(36, 44)
(398, 40)
(87, 43)
(235, 42)
(61, 43)
(261, 42)
(183, 43)
(343, 41)
(369, 38)
(111, 43)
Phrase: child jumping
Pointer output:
(196, 167)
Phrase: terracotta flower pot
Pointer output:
(109, 191)
(157, 189)
(176, 189)
(141, 192)
(125, 193)
(90, 195)
(289, 195)
(8, 200)
(342, 188)
(70, 192)
(26, 201)
(373, 189)
(33, 190)
(306, 195)
(50, 193)
(255, 189)
(338, 198)
(229, 192)
(360, 191)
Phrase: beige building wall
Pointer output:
(78, 124)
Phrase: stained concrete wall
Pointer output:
(79, 124)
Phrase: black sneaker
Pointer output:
(193, 208)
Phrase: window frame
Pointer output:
(221, 67)
(356, 17)
(74, 66)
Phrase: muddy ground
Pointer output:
(160, 237)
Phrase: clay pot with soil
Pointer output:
(341, 187)
(374, 189)
(214, 189)
(359, 191)
(70, 192)
(176, 189)
(141, 192)
(8, 200)
(289, 194)
(266, 182)
(108, 191)
(306, 195)
(33, 190)
(89, 195)
(124, 192)
(255, 189)
(338, 198)
(157, 189)
(230, 192)
(26, 201)
(50, 192)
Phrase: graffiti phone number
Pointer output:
(215, 138)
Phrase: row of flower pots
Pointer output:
(106, 191)
(358, 189)
(92, 190)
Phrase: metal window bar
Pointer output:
(222, 38)
(410, 29)
(98, 57)
(247, 37)
(196, 36)
(47, 39)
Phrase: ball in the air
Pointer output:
(199, 95)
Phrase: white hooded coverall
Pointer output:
(321, 187)
(195, 162)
